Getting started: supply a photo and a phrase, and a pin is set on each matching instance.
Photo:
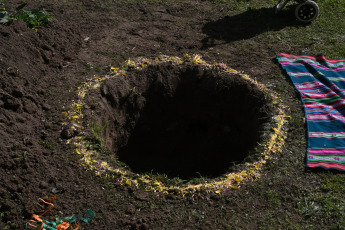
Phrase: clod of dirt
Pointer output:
(180, 121)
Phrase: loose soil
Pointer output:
(39, 74)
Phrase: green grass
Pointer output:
(324, 35)
(316, 202)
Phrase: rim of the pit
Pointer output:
(91, 160)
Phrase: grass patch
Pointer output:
(333, 183)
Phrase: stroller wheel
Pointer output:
(307, 11)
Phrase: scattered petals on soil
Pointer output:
(91, 158)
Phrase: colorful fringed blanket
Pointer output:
(321, 84)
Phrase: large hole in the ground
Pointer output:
(182, 121)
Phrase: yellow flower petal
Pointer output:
(237, 179)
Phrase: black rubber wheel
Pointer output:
(307, 11)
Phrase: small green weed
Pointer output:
(95, 142)
(175, 181)
(33, 18)
(200, 179)
(46, 145)
(123, 164)
(96, 130)
(135, 93)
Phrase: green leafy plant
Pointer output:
(3, 14)
(95, 142)
(33, 18)
(96, 130)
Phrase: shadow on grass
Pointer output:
(248, 24)
(321, 170)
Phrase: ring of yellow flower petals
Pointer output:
(229, 181)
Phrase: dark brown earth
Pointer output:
(39, 73)
(179, 121)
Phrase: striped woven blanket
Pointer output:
(321, 84)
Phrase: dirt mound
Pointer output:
(29, 66)
(180, 121)
(28, 61)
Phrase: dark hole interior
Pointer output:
(182, 121)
